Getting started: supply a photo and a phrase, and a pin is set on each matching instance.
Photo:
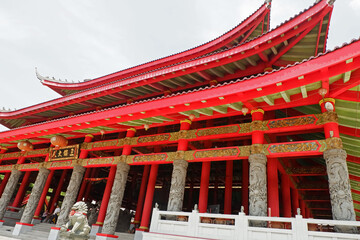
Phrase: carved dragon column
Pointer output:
(177, 188)
(258, 185)
(337, 171)
(24, 225)
(71, 194)
(9, 191)
(257, 168)
(178, 178)
(117, 193)
(35, 195)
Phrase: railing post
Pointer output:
(301, 228)
(241, 224)
(154, 226)
(193, 223)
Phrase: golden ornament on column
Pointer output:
(25, 146)
(59, 141)
(244, 110)
(102, 132)
(322, 92)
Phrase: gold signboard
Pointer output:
(64, 153)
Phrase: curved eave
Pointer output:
(253, 26)
(243, 91)
(248, 52)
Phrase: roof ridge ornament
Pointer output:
(330, 2)
(7, 110)
(52, 79)
(268, 3)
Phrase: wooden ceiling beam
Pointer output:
(291, 44)
(205, 75)
(263, 56)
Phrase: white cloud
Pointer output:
(355, 4)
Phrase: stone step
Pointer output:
(41, 232)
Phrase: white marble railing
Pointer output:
(185, 225)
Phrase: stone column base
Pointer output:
(21, 228)
(139, 234)
(1, 223)
(36, 220)
(54, 233)
(95, 228)
(103, 236)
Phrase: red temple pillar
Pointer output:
(89, 185)
(144, 225)
(84, 154)
(141, 198)
(179, 172)
(6, 175)
(43, 196)
(257, 163)
(22, 189)
(273, 187)
(228, 187)
(303, 207)
(257, 135)
(335, 158)
(307, 212)
(107, 192)
(285, 195)
(204, 186)
(106, 196)
(205, 177)
(56, 196)
(294, 201)
(190, 196)
(23, 186)
(245, 185)
(83, 185)
(331, 129)
(183, 143)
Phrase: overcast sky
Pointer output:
(85, 39)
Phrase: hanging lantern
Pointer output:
(25, 146)
(322, 92)
(146, 126)
(192, 117)
(59, 141)
(244, 110)
(102, 132)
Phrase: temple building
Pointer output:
(255, 122)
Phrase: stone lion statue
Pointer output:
(77, 227)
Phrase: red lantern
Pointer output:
(25, 146)
(59, 141)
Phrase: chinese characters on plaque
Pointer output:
(64, 153)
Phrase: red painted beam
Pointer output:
(337, 89)
(353, 96)
(353, 159)
(334, 60)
